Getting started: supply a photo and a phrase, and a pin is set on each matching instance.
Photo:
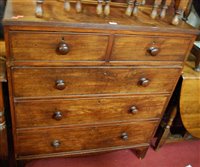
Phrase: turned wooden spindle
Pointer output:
(107, 7)
(136, 5)
(188, 10)
(99, 7)
(164, 8)
(181, 7)
(78, 6)
(129, 8)
(154, 12)
(143, 2)
(67, 5)
(39, 8)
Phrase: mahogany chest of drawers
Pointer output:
(79, 84)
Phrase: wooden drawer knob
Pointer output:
(57, 115)
(134, 110)
(144, 82)
(55, 143)
(153, 50)
(60, 84)
(124, 136)
(63, 48)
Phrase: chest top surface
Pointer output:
(22, 13)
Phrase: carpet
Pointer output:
(182, 154)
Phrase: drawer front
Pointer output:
(147, 48)
(35, 141)
(88, 110)
(58, 47)
(55, 82)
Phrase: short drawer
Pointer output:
(149, 48)
(57, 140)
(94, 110)
(56, 82)
(58, 46)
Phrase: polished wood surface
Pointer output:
(81, 83)
(87, 47)
(44, 46)
(96, 110)
(139, 48)
(100, 80)
(181, 119)
(3, 129)
(35, 142)
(189, 100)
(17, 15)
(2, 62)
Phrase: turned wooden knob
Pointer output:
(124, 136)
(57, 115)
(60, 84)
(63, 48)
(153, 50)
(144, 82)
(134, 110)
(55, 143)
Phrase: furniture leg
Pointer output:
(141, 151)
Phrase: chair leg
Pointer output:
(165, 133)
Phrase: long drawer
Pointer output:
(58, 46)
(94, 110)
(149, 48)
(64, 81)
(57, 140)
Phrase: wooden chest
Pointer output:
(80, 84)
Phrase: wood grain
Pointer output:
(40, 82)
(43, 46)
(2, 62)
(39, 141)
(96, 110)
(190, 101)
(3, 129)
(129, 48)
(88, 19)
(95, 82)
